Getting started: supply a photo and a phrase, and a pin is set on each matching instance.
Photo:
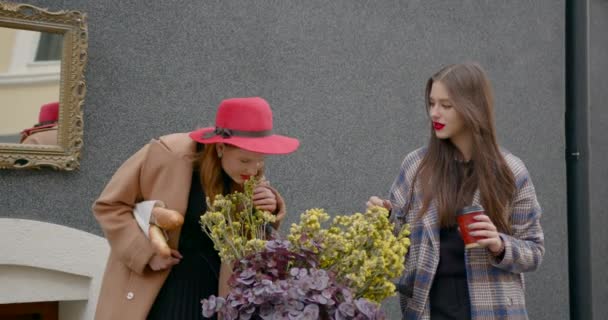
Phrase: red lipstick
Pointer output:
(438, 126)
(245, 177)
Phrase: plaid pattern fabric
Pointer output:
(496, 288)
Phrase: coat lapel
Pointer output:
(431, 226)
(168, 176)
(428, 259)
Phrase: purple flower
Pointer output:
(346, 309)
(328, 293)
(246, 313)
(320, 299)
(267, 311)
(275, 245)
(294, 272)
(256, 299)
(347, 294)
(237, 302)
(230, 314)
(311, 312)
(295, 292)
(247, 277)
(320, 280)
(258, 290)
(212, 305)
(366, 307)
(295, 305)
(303, 273)
(277, 283)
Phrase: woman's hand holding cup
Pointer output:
(485, 233)
(478, 230)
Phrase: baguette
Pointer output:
(166, 219)
(159, 242)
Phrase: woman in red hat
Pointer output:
(180, 170)
(45, 131)
(463, 166)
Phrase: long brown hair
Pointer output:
(441, 176)
(211, 173)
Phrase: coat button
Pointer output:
(130, 295)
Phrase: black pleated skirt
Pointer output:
(189, 281)
(196, 276)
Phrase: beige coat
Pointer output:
(44, 136)
(161, 170)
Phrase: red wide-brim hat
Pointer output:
(49, 112)
(47, 118)
(246, 123)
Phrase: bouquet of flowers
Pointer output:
(342, 271)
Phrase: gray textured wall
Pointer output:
(346, 77)
(598, 68)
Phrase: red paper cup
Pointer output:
(465, 217)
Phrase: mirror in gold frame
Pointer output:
(43, 55)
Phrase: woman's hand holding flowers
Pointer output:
(264, 198)
(377, 202)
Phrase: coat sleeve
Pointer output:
(398, 198)
(399, 193)
(524, 249)
(114, 212)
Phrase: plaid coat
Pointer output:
(496, 288)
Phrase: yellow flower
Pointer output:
(234, 225)
(361, 249)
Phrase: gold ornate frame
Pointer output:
(73, 25)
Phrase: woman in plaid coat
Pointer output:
(463, 165)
